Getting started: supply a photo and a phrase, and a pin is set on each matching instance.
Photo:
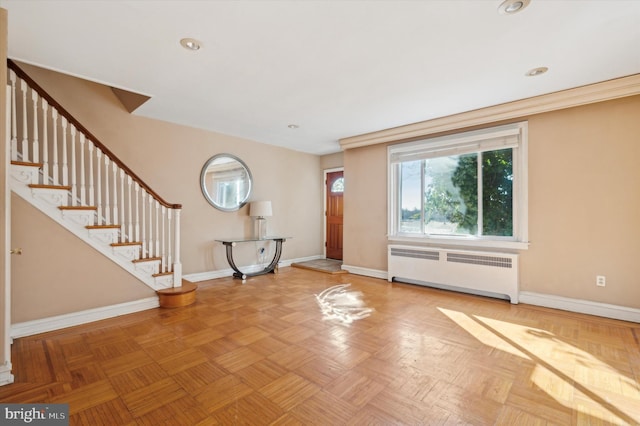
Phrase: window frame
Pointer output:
(514, 135)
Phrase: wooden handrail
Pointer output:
(43, 93)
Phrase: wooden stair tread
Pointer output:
(161, 274)
(146, 259)
(78, 208)
(131, 243)
(102, 226)
(62, 187)
(26, 163)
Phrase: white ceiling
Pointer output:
(335, 68)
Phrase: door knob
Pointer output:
(16, 251)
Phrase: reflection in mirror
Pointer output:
(226, 182)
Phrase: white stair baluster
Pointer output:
(129, 208)
(72, 169)
(25, 127)
(114, 169)
(54, 128)
(123, 224)
(14, 115)
(143, 237)
(65, 165)
(151, 251)
(35, 146)
(157, 250)
(137, 213)
(92, 200)
(83, 188)
(98, 189)
(107, 204)
(45, 142)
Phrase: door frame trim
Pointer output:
(324, 206)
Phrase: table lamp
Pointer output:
(260, 210)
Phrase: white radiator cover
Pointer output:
(477, 272)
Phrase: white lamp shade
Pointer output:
(260, 209)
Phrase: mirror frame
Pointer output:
(208, 196)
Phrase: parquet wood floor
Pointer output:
(261, 353)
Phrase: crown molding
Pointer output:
(598, 92)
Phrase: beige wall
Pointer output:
(332, 161)
(584, 208)
(583, 204)
(169, 158)
(365, 207)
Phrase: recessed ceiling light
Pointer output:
(509, 7)
(190, 44)
(536, 71)
(293, 126)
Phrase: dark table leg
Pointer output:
(270, 268)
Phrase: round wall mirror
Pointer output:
(226, 182)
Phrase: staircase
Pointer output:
(63, 170)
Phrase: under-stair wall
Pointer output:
(70, 277)
(59, 167)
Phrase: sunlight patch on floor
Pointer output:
(565, 372)
(481, 333)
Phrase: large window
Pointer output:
(469, 188)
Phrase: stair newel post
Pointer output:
(123, 224)
(129, 208)
(169, 232)
(136, 187)
(98, 191)
(83, 187)
(107, 204)
(45, 141)
(54, 128)
(72, 170)
(163, 263)
(35, 151)
(14, 114)
(92, 198)
(150, 245)
(114, 169)
(177, 266)
(143, 237)
(25, 126)
(65, 165)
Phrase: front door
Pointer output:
(335, 205)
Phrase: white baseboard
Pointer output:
(373, 273)
(5, 374)
(581, 306)
(222, 273)
(43, 325)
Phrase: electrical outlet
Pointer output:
(601, 281)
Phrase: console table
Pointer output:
(231, 243)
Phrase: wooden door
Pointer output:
(335, 204)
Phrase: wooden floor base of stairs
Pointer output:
(177, 297)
